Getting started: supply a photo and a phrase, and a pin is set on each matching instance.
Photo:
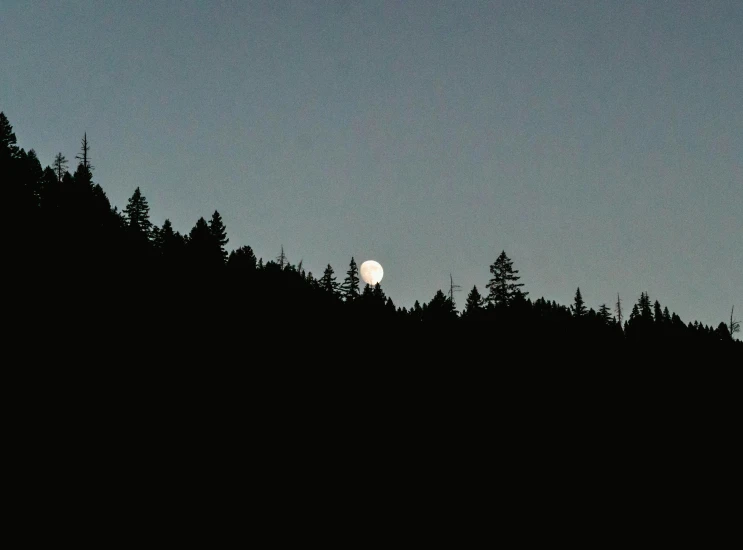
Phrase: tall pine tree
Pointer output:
(8, 147)
(137, 214)
(473, 305)
(203, 249)
(219, 234)
(350, 286)
(328, 282)
(503, 286)
(579, 306)
(243, 258)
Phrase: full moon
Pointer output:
(371, 272)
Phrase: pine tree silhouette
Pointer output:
(219, 234)
(473, 305)
(579, 306)
(8, 147)
(60, 166)
(503, 286)
(328, 282)
(605, 314)
(350, 286)
(243, 258)
(281, 259)
(203, 249)
(137, 214)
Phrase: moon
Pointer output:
(371, 272)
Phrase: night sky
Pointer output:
(600, 144)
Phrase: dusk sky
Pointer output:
(599, 143)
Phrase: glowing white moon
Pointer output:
(371, 272)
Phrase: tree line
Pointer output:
(77, 256)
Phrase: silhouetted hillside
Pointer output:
(110, 285)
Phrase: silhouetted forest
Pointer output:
(110, 283)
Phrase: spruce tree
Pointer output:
(350, 286)
(635, 313)
(389, 307)
(219, 234)
(137, 214)
(579, 306)
(328, 282)
(367, 293)
(378, 294)
(82, 178)
(416, 312)
(170, 245)
(203, 250)
(8, 147)
(504, 286)
(243, 258)
(158, 234)
(31, 175)
(439, 309)
(646, 312)
(605, 314)
(473, 304)
(49, 189)
(657, 313)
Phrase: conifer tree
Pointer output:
(473, 304)
(82, 178)
(170, 244)
(137, 214)
(30, 178)
(635, 313)
(163, 235)
(666, 316)
(242, 258)
(367, 293)
(281, 259)
(328, 282)
(60, 166)
(657, 313)
(49, 188)
(722, 332)
(439, 309)
(504, 286)
(604, 314)
(389, 307)
(579, 306)
(8, 147)
(203, 248)
(378, 294)
(350, 286)
(219, 234)
(643, 304)
(416, 312)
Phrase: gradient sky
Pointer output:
(600, 144)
